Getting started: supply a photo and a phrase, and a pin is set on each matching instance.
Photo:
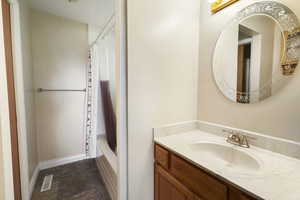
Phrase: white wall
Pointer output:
(92, 12)
(60, 55)
(1, 168)
(28, 88)
(276, 116)
(162, 79)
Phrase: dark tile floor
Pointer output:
(76, 181)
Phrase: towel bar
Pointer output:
(60, 90)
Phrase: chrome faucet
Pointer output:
(236, 138)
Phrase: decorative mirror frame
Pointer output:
(221, 4)
(290, 26)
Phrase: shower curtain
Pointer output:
(103, 99)
(88, 111)
(109, 114)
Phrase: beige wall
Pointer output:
(29, 95)
(162, 79)
(60, 54)
(1, 169)
(276, 116)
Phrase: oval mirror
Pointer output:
(257, 53)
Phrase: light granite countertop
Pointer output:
(278, 177)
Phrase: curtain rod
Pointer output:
(103, 30)
(60, 90)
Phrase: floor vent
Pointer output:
(47, 183)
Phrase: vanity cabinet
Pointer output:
(168, 188)
(178, 179)
(235, 194)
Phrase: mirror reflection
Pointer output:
(260, 43)
(250, 56)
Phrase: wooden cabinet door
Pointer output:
(168, 188)
(168, 191)
(235, 194)
(197, 180)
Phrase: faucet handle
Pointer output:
(242, 134)
(244, 141)
(234, 138)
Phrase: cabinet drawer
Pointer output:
(162, 156)
(197, 180)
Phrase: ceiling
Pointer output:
(93, 12)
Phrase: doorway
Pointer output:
(19, 49)
(6, 16)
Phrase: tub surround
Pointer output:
(109, 176)
(110, 156)
(277, 177)
(107, 166)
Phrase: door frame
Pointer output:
(121, 91)
(5, 120)
(4, 116)
(20, 108)
(27, 183)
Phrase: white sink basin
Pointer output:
(226, 157)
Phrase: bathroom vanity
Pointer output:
(179, 179)
(255, 57)
(176, 178)
(193, 161)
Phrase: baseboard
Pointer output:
(33, 180)
(62, 161)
